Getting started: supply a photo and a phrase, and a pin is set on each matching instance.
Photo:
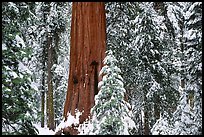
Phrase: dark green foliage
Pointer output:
(193, 55)
(16, 78)
(110, 112)
(52, 17)
(141, 36)
(187, 119)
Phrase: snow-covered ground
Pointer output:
(70, 120)
(44, 131)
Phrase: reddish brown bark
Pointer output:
(88, 45)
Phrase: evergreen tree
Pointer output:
(62, 49)
(158, 46)
(53, 18)
(120, 18)
(183, 118)
(188, 34)
(181, 123)
(17, 91)
(110, 115)
(185, 18)
(162, 126)
(144, 44)
(154, 64)
(193, 54)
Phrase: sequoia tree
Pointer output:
(87, 51)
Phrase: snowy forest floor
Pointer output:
(43, 131)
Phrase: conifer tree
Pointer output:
(183, 118)
(185, 18)
(51, 18)
(193, 54)
(110, 114)
(153, 55)
(17, 91)
(144, 44)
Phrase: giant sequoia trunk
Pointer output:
(88, 45)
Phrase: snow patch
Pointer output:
(20, 41)
(34, 86)
(14, 74)
(70, 120)
(43, 131)
(4, 47)
(23, 68)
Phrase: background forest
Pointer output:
(154, 52)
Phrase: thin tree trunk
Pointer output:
(156, 107)
(47, 109)
(42, 108)
(191, 99)
(43, 93)
(50, 88)
(146, 123)
(146, 116)
(88, 45)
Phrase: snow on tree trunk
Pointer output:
(88, 46)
